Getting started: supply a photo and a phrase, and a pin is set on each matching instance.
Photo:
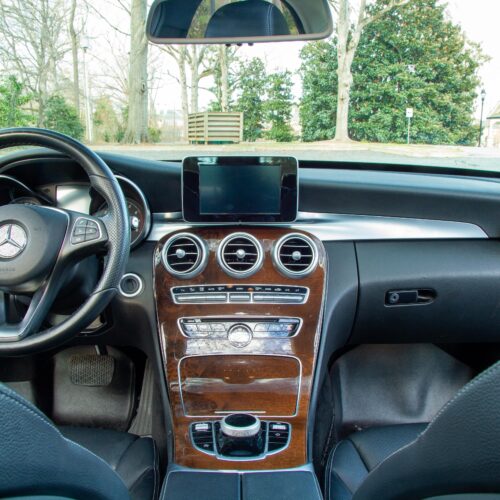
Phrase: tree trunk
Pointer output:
(195, 79)
(224, 79)
(184, 91)
(137, 128)
(74, 53)
(343, 103)
(344, 74)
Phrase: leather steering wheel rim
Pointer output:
(115, 224)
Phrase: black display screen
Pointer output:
(240, 189)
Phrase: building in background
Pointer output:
(493, 128)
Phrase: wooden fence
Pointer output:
(206, 128)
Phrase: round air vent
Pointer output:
(185, 255)
(296, 255)
(240, 255)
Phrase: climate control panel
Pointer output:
(240, 331)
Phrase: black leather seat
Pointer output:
(38, 459)
(457, 453)
(248, 18)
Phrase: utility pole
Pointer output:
(88, 103)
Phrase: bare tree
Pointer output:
(348, 36)
(179, 55)
(196, 62)
(74, 38)
(192, 66)
(224, 77)
(137, 127)
(33, 45)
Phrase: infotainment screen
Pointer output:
(240, 189)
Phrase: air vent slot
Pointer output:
(240, 255)
(296, 255)
(184, 255)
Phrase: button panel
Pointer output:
(240, 294)
(224, 328)
(85, 230)
(275, 434)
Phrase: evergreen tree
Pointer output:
(62, 117)
(414, 57)
(318, 106)
(252, 83)
(13, 99)
(279, 106)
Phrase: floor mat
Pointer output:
(375, 385)
(93, 389)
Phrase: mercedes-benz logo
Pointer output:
(13, 240)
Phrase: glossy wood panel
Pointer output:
(255, 384)
(303, 347)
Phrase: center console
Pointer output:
(239, 315)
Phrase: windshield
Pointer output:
(406, 82)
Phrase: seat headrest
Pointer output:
(248, 18)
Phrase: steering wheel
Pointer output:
(39, 246)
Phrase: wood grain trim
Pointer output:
(240, 383)
(303, 347)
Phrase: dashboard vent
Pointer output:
(240, 255)
(296, 255)
(184, 255)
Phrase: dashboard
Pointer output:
(245, 315)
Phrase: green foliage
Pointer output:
(154, 134)
(252, 85)
(106, 121)
(279, 106)
(318, 106)
(62, 117)
(13, 100)
(413, 57)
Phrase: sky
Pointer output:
(479, 20)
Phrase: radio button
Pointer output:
(239, 297)
(262, 327)
(190, 328)
(218, 327)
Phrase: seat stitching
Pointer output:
(49, 424)
(30, 410)
(462, 391)
(360, 454)
(330, 466)
(118, 463)
(156, 465)
(139, 479)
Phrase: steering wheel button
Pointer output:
(78, 239)
(91, 237)
(82, 223)
(78, 231)
(90, 230)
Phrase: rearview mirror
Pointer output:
(238, 21)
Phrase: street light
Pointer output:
(483, 97)
(88, 103)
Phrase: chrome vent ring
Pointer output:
(185, 255)
(295, 255)
(240, 255)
